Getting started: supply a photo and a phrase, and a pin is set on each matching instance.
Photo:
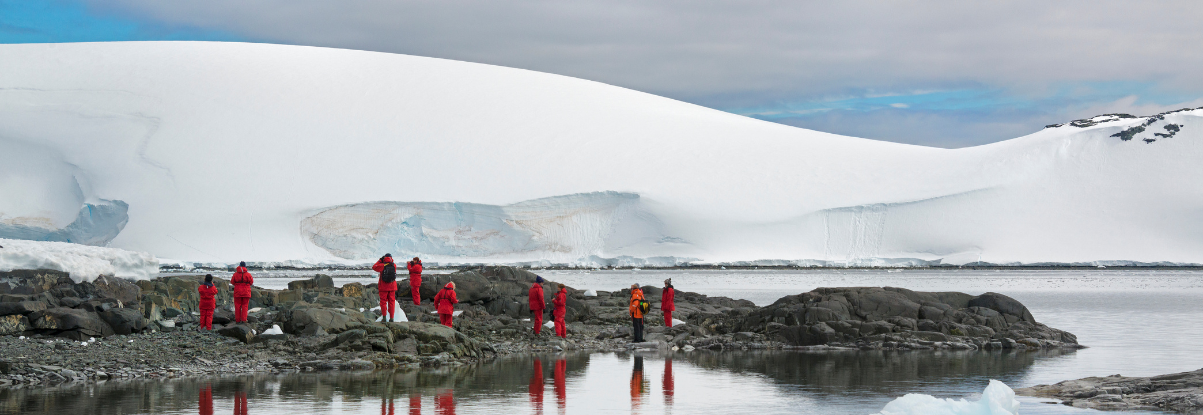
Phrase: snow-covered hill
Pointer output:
(216, 152)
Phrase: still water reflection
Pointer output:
(697, 382)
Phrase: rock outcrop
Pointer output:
(1179, 392)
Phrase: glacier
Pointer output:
(209, 152)
(82, 262)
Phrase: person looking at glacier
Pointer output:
(666, 302)
(387, 287)
(537, 304)
(415, 280)
(558, 307)
(445, 302)
(208, 292)
(242, 281)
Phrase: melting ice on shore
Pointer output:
(997, 399)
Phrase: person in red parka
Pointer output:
(537, 304)
(666, 302)
(387, 286)
(242, 281)
(558, 309)
(415, 280)
(208, 302)
(445, 302)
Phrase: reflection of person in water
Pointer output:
(386, 405)
(561, 398)
(536, 387)
(415, 404)
(667, 382)
(206, 400)
(637, 384)
(240, 403)
(444, 403)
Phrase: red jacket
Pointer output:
(536, 298)
(445, 300)
(242, 281)
(559, 302)
(666, 299)
(415, 273)
(380, 284)
(207, 292)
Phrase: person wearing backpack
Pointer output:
(415, 279)
(666, 302)
(208, 302)
(638, 309)
(558, 308)
(445, 301)
(242, 281)
(537, 304)
(387, 287)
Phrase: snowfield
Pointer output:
(83, 262)
(220, 152)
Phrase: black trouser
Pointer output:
(637, 323)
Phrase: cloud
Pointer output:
(742, 54)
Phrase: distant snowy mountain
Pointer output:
(219, 152)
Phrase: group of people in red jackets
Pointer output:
(558, 307)
(386, 285)
(242, 281)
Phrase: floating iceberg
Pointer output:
(997, 399)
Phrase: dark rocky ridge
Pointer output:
(1179, 392)
(325, 323)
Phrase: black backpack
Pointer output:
(389, 274)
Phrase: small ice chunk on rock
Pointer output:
(677, 322)
(550, 324)
(274, 330)
(997, 399)
(590, 293)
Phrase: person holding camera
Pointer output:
(387, 287)
(415, 280)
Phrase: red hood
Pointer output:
(240, 269)
(448, 286)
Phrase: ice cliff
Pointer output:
(219, 152)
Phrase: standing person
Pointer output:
(445, 302)
(637, 313)
(242, 281)
(537, 304)
(387, 286)
(666, 302)
(415, 280)
(557, 310)
(208, 302)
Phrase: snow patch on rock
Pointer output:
(83, 262)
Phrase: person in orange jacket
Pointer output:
(666, 302)
(415, 279)
(558, 308)
(387, 287)
(208, 302)
(242, 281)
(537, 304)
(445, 301)
(636, 312)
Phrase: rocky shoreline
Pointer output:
(53, 330)
(1178, 392)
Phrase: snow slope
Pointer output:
(83, 262)
(229, 151)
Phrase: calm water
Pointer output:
(1137, 323)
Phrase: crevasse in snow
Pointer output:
(997, 399)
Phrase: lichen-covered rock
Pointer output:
(13, 324)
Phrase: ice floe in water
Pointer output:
(997, 399)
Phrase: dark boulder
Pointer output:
(242, 332)
(1004, 305)
(21, 307)
(13, 324)
(124, 320)
(318, 282)
(119, 289)
(64, 319)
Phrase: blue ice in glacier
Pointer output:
(997, 399)
(571, 225)
(96, 225)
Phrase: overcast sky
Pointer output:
(949, 74)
